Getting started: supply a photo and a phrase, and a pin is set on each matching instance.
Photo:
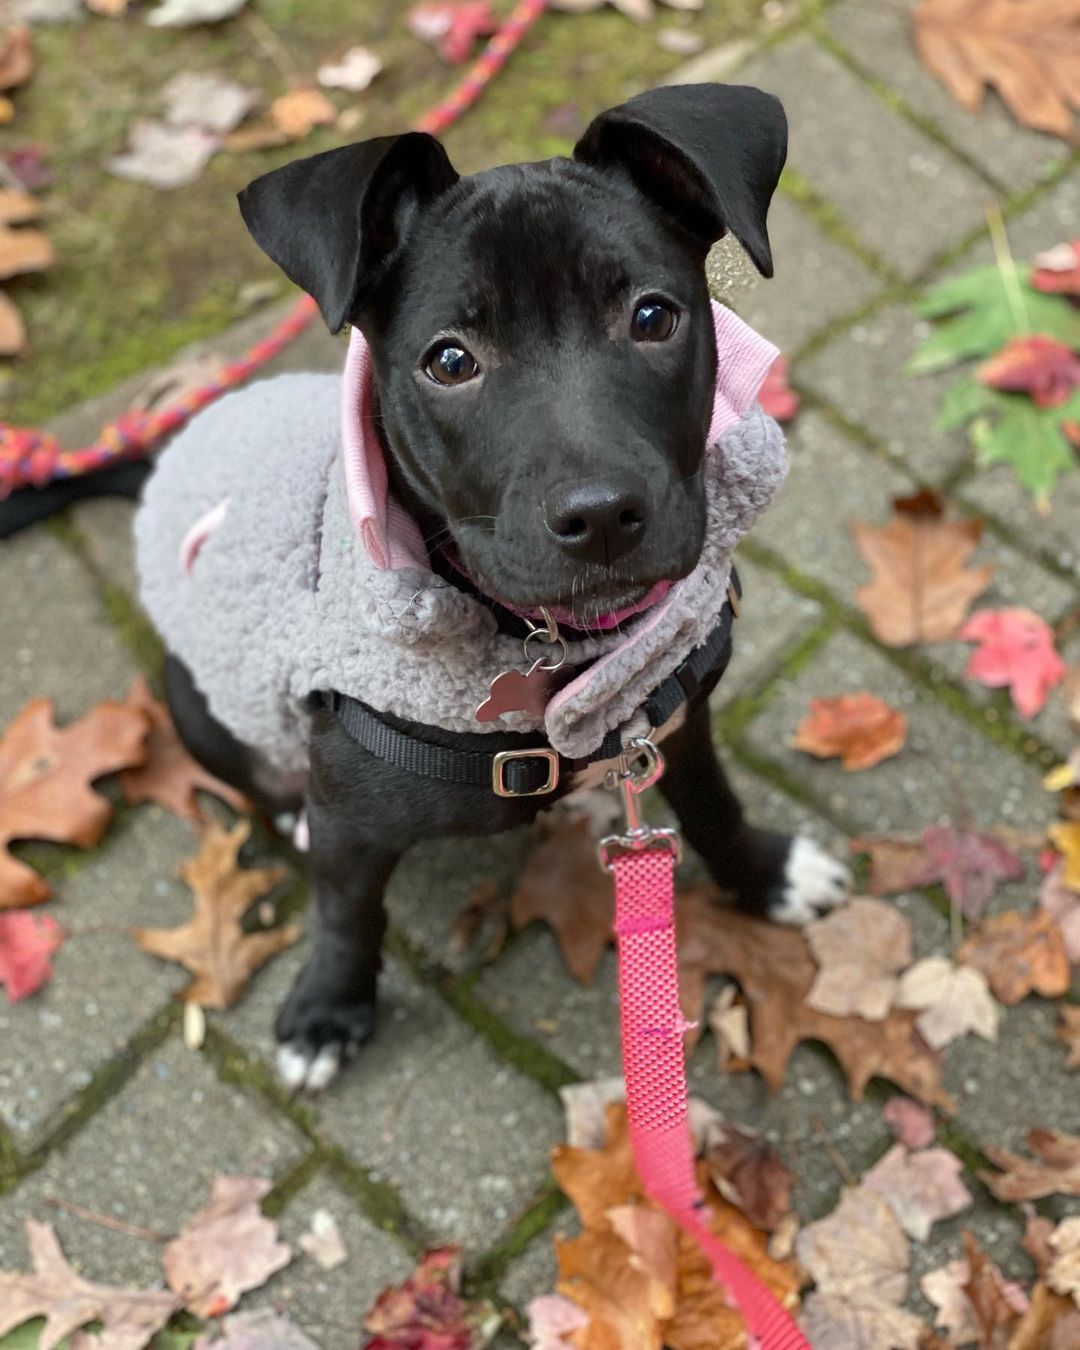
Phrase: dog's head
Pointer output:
(541, 334)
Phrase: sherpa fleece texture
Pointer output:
(257, 575)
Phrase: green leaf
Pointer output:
(1029, 439)
(966, 399)
(979, 317)
(25, 1337)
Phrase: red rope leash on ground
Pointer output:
(32, 459)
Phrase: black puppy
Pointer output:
(544, 362)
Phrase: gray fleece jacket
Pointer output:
(274, 563)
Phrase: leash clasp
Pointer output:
(639, 767)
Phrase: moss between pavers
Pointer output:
(105, 1084)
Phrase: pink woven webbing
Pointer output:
(653, 1063)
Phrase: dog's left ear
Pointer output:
(333, 221)
(708, 154)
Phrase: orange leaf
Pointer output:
(45, 777)
(921, 590)
(1068, 1033)
(16, 56)
(1018, 954)
(644, 1284)
(170, 776)
(12, 328)
(1027, 52)
(300, 111)
(1055, 1169)
(23, 251)
(212, 944)
(859, 728)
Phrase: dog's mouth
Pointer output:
(585, 612)
(601, 614)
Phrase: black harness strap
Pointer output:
(534, 768)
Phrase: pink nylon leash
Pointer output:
(643, 863)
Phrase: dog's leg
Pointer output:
(779, 876)
(331, 1009)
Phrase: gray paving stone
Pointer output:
(427, 1107)
(434, 881)
(1051, 219)
(147, 1158)
(878, 34)
(536, 1270)
(946, 766)
(905, 195)
(997, 492)
(832, 482)
(861, 372)
(993, 1081)
(57, 644)
(104, 525)
(816, 279)
(772, 618)
(104, 988)
(329, 1305)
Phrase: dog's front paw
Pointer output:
(315, 1039)
(813, 883)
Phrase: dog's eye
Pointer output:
(448, 364)
(652, 322)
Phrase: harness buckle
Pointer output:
(498, 771)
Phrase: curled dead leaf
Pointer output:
(300, 111)
(860, 729)
(16, 56)
(45, 778)
(1019, 954)
(212, 944)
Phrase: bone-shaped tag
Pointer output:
(514, 692)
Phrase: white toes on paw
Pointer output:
(814, 883)
(302, 1069)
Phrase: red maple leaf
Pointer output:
(1017, 652)
(1046, 369)
(27, 942)
(426, 1311)
(776, 396)
(1057, 271)
(454, 25)
(969, 865)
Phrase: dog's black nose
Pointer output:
(598, 518)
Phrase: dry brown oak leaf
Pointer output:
(1028, 50)
(921, 589)
(170, 776)
(1055, 1169)
(227, 1248)
(45, 777)
(212, 945)
(129, 1317)
(1019, 954)
(775, 970)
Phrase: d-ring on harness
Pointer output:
(643, 863)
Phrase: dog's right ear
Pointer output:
(332, 221)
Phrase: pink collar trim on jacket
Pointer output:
(389, 534)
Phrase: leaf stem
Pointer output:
(1006, 265)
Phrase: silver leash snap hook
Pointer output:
(639, 767)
